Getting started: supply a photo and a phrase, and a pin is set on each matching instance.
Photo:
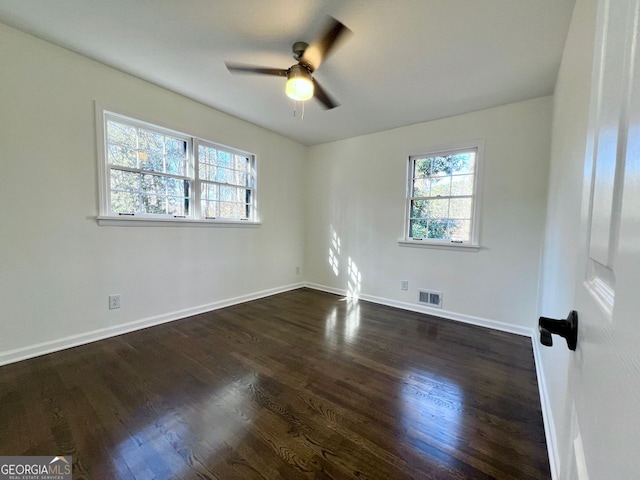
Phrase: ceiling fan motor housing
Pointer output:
(300, 71)
(298, 50)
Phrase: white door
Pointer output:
(604, 375)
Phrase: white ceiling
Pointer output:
(408, 61)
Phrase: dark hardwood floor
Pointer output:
(295, 386)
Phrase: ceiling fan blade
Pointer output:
(240, 68)
(323, 96)
(319, 50)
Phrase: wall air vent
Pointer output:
(430, 298)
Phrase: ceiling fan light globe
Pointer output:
(299, 84)
(299, 89)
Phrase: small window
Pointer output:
(151, 172)
(226, 182)
(442, 197)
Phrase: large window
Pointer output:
(151, 172)
(442, 197)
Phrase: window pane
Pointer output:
(154, 184)
(421, 187)
(136, 147)
(206, 154)
(460, 230)
(440, 166)
(133, 192)
(225, 159)
(438, 208)
(438, 228)
(440, 187)
(419, 208)
(177, 187)
(154, 204)
(124, 202)
(460, 208)
(225, 175)
(208, 208)
(203, 170)
(149, 141)
(434, 228)
(209, 191)
(232, 177)
(421, 167)
(123, 180)
(232, 210)
(151, 161)
(231, 194)
(176, 156)
(121, 134)
(178, 206)
(241, 179)
(241, 163)
(122, 156)
(462, 185)
(418, 228)
(463, 162)
(207, 172)
(223, 201)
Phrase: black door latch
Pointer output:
(565, 328)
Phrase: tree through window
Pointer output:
(154, 172)
(442, 196)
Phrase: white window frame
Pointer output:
(194, 218)
(474, 241)
(197, 142)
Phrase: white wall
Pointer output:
(356, 188)
(57, 266)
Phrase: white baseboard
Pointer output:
(438, 312)
(30, 351)
(547, 413)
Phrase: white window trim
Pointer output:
(105, 219)
(440, 245)
(474, 243)
(149, 221)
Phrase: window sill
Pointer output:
(105, 221)
(441, 246)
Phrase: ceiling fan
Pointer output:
(301, 85)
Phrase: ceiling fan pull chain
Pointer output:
(295, 106)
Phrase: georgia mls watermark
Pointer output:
(35, 468)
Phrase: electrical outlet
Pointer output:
(297, 270)
(114, 301)
(404, 285)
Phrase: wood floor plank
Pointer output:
(300, 385)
